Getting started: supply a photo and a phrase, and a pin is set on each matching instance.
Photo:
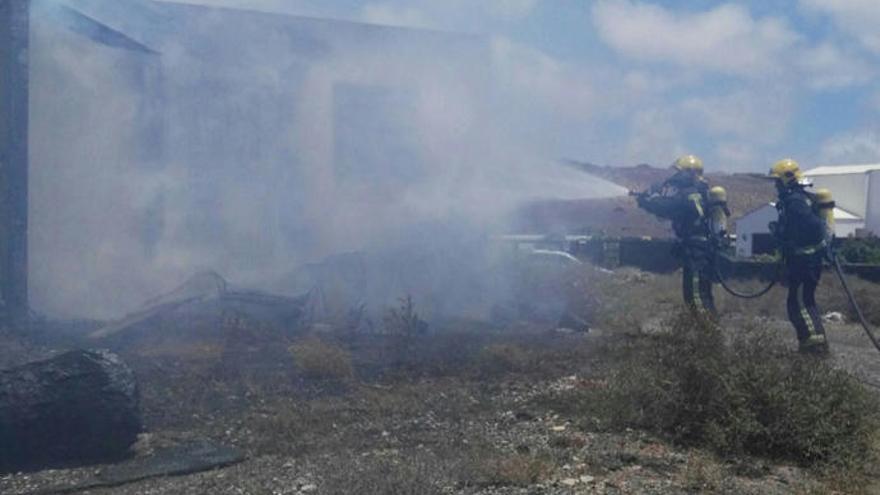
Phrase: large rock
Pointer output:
(76, 408)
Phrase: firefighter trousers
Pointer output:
(698, 279)
(804, 273)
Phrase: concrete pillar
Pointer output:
(14, 32)
(872, 210)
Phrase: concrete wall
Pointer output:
(872, 219)
(656, 255)
(14, 40)
(94, 188)
(755, 222)
(847, 228)
(849, 191)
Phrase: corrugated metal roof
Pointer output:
(845, 215)
(842, 169)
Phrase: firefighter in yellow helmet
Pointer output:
(683, 199)
(804, 239)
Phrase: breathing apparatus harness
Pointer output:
(717, 240)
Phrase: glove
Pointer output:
(721, 240)
(829, 252)
(776, 232)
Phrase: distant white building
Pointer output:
(856, 191)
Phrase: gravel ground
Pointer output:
(434, 430)
(443, 439)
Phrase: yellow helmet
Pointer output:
(689, 163)
(718, 194)
(787, 171)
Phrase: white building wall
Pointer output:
(753, 223)
(847, 228)
(872, 218)
(758, 220)
(849, 190)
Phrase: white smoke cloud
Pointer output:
(253, 146)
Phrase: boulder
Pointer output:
(76, 408)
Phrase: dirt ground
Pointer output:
(469, 408)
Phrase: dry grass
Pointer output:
(507, 358)
(322, 360)
(375, 423)
(515, 470)
(703, 473)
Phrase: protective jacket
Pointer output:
(803, 237)
(800, 229)
(686, 209)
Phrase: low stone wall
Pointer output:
(656, 255)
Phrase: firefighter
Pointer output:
(804, 238)
(683, 199)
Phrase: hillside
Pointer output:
(620, 216)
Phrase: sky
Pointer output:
(622, 82)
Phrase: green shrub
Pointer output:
(860, 250)
(749, 395)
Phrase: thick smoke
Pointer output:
(168, 139)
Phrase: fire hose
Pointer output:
(853, 303)
(837, 268)
(736, 293)
(742, 295)
(843, 282)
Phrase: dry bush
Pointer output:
(451, 352)
(403, 320)
(747, 396)
(322, 360)
(506, 358)
(514, 470)
(703, 474)
(401, 326)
